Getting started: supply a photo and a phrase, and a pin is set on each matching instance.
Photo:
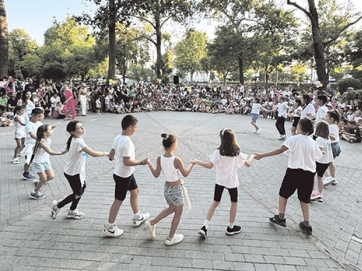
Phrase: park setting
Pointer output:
(167, 95)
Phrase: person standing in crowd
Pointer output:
(83, 98)
(69, 103)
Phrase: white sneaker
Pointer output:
(75, 214)
(112, 231)
(177, 238)
(327, 181)
(151, 229)
(258, 131)
(139, 218)
(54, 210)
(16, 161)
(315, 195)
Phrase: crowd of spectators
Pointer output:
(122, 98)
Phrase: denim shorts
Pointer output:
(174, 195)
(41, 167)
(254, 116)
(336, 149)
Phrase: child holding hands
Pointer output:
(226, 159)
(303, 153)
(171, 166)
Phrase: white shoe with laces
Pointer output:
(139, 218)
(112, 231)
(177, 238)
(75, 214)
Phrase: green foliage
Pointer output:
(55, 70)
(349, 82)
(190, 52)
(354, 95)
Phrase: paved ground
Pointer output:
(30, 240)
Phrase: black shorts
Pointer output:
(123, 185)
(297, 179)
(233, 192)
(295, 121)
(321, 168)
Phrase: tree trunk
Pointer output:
(4, 42)
(241, 69)
(266, 76)
(112, 41)
(159, 63)
(323, 76)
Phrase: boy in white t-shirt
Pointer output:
(123, 150)
(37, 115)
(303, 152)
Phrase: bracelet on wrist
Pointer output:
(141, 162)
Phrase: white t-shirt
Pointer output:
(309, 109)
(282, 109)
(255, 109)
(321, 113)
(325, 144)
(76, 157)
(334, 130)
(31, 127)
(123, 147)
(41, 155)
(226, 168)
(303, 152)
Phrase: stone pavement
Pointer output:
(30, 240)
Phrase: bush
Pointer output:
(353, 95)
(348, 82)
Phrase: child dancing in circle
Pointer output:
(171, 166)
(303, 153)
(74, 170)
(324, 143)
(41, 161)
(226, 159)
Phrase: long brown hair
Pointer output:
(229, 146)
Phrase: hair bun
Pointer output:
(164, 135)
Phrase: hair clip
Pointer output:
(223, 130)
(166, 137)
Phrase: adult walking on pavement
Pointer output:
(69, 103)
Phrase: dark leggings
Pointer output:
(78, 190)
(280, 125)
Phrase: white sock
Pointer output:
(231, 225)
(111, 225)
(206, 223)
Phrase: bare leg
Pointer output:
(134, 200)
(233, 209)
(176, 220)
(282, 205)
(113, 212)
(253, 122)
(212, 209)
(164, 213)
(305, 210)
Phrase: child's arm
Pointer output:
(208, 165)
(155, 171)
(127, 161)
(18, 120)
(94, 153)
(180, 165)
(48, 150)
(249, 161)
(280, 150)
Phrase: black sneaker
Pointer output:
(234, 230)
(203, 232)
(276, 220)
(306, 229)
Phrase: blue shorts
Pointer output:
(41, 167)
(254, 116)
